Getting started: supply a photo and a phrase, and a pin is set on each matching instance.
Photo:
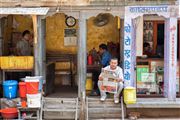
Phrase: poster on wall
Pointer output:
(70, 37)
(148, 33)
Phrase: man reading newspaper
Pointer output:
(111, 80)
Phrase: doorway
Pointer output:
(61, 56)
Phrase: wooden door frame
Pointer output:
(179, 55)
(155, 23)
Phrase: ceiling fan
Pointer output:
(102, 19)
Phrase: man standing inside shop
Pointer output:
(23, 47)
(105, 58)
(119, 74)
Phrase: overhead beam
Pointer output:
(54, 3)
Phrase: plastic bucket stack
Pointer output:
(32, 86)
(40, 80)
(32, 89)
(22, 89)
(10, 89)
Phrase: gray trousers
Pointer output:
(119, 89)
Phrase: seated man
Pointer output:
(118, 71)
(105, 59)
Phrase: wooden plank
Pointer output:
(24, 11)
(59, 106)
(50, 77)
(60, 110)
(102, 110)
(58, 115)
(35, 31)
(60, 99)
(104, 106)
(110, 115)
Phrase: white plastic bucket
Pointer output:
(34, 100)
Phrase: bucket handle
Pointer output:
(33, 87)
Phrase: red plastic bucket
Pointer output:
(32, 86)
(22, 89)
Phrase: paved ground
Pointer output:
(144, 119)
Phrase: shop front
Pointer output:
(151, 55)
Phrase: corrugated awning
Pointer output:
(25, 11)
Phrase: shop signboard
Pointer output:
(170, 13)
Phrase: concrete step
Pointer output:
(155, 103)
(103, 110)
(60, 108)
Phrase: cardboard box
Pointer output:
(148, 77)
(141, 69)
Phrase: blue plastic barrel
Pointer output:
(10, 88)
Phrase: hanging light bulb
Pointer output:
(57, 9)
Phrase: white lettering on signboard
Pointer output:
(127, 51)
(148, 9)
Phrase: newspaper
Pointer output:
(109, 83)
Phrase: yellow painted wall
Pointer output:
(7, 34)
(97, 35)
(22, 23)
(15, 23)
(55, 26)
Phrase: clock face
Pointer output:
(70, 21)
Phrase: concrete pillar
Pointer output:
(82, 60)
(121, 42)
(39, 46)
(170, 58)
(82, 55)
(129, 71)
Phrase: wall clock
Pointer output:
(70, 21)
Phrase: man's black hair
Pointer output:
(114, 58)
(146, 44)
(25, 32)
(103, 46)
